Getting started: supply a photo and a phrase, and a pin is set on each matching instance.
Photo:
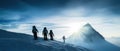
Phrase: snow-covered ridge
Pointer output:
(10, 41)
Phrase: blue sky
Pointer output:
(63, 16)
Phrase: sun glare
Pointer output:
(74, 27)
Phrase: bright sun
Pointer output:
(74, 27)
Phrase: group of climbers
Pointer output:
(44, 33)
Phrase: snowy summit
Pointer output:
(88, 37)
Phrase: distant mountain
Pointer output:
(10, 41)
(91, 33)
(88, 37)
(86, 34)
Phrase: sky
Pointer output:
(64, 17)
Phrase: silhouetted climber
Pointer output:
(51, 35)
(64, 39)
(34, 31)
(45, 32)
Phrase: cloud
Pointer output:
(27, 9)
(22, 5)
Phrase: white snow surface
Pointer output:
(10, 41)
(89, 38)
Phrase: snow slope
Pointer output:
(88, 37)
(10, 41)
(114, 40)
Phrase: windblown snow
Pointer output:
(88, 37)
(10, 41)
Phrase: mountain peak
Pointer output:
(87, 24)
(91, 34)
(87, 34)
